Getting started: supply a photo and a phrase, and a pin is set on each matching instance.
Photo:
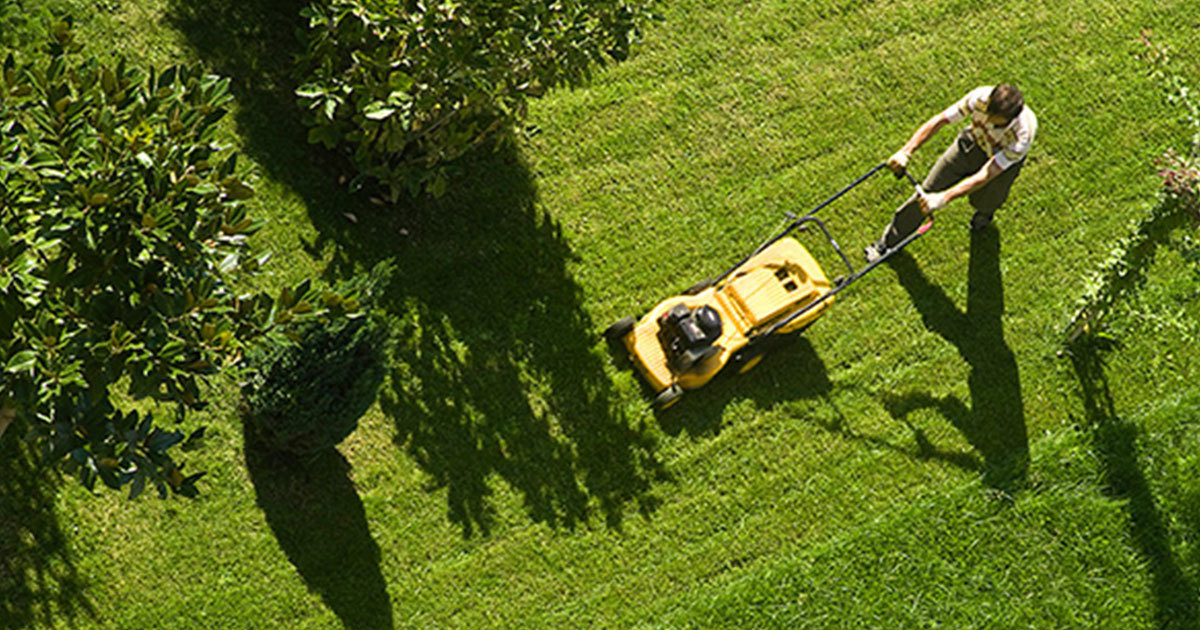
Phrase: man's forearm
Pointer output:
(974, 182)
(923, 133)
(965, 187)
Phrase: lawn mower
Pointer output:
(779, 289)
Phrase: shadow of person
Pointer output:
(495, 374)
(835, 421)
(39, 585)
(790, 370)
(316, 515)
(994, 421)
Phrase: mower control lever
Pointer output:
(912, 180)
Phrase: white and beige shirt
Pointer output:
(1007, 145)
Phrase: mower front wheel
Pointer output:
(750, 364)
(698, 287)
(619, 329)
(668, 396)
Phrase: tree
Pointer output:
(123, 234)
(405, 86)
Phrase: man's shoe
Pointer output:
(980, 222)
(874, 252)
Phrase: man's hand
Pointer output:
(899, 161)
(931, 202)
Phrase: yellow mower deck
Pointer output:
(767, 288)
(778, 290)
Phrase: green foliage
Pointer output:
(652, 176)
(407, 86)
(23, 22)
(306, 396)
(1122, 273)
(122, 231)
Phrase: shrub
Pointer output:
(406, 86)
(304, 397)
(122, 233)
(23, 23)
(1122, 274)
(305, 394)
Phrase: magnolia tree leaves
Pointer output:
(405, 87)
(123, 237)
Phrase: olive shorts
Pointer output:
(962, 158)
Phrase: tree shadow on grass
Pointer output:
(1115, 441)
(497, 373)
(994, 421)
(254, 43)
(316, 515)
(39, 585)
(495, 370)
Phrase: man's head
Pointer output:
(1005, 104)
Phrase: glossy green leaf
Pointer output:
(378, 111)
(21, 361)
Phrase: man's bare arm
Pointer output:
(936, 201)
(899, 161)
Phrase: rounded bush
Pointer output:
(306, 396)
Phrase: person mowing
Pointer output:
(981, 163)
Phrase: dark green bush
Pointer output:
(307, 395)
(405, 86)
(123, 237)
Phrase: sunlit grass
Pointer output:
(515, 477)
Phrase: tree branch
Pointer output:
(7, 415)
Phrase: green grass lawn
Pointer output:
(921, 457)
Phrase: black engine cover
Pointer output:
(686, 334)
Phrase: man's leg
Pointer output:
(961, 159)
(988, 199)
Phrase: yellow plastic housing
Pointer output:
(763, 291)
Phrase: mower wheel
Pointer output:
(619, 329)
(750, 364)
(745, 360)
(668, 396)
(698, 287)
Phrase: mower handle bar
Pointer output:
(808, 217)
(858, 181)
(801, 224)
(847, 281)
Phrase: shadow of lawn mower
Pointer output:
(778, 290)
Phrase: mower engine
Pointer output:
(687, 335)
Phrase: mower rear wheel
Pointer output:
(668, 396)
(750, 364)
(619, 329)
(746, 359)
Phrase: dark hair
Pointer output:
(1006, 101)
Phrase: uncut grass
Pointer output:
(666, 169)
(1105, 535)
(1062, 556)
